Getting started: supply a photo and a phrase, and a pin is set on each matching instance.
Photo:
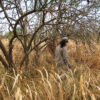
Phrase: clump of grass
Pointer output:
(80, 84)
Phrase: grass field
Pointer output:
(42, 82)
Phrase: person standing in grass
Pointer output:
(61, 54)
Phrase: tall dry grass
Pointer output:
(43, 82)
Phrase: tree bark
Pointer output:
(4, 63)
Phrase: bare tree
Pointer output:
(40, 20)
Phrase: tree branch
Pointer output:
(3, 62)
(4, 51)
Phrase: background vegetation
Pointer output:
(30, 31)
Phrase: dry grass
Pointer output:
(81, 82)
(42, 84)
